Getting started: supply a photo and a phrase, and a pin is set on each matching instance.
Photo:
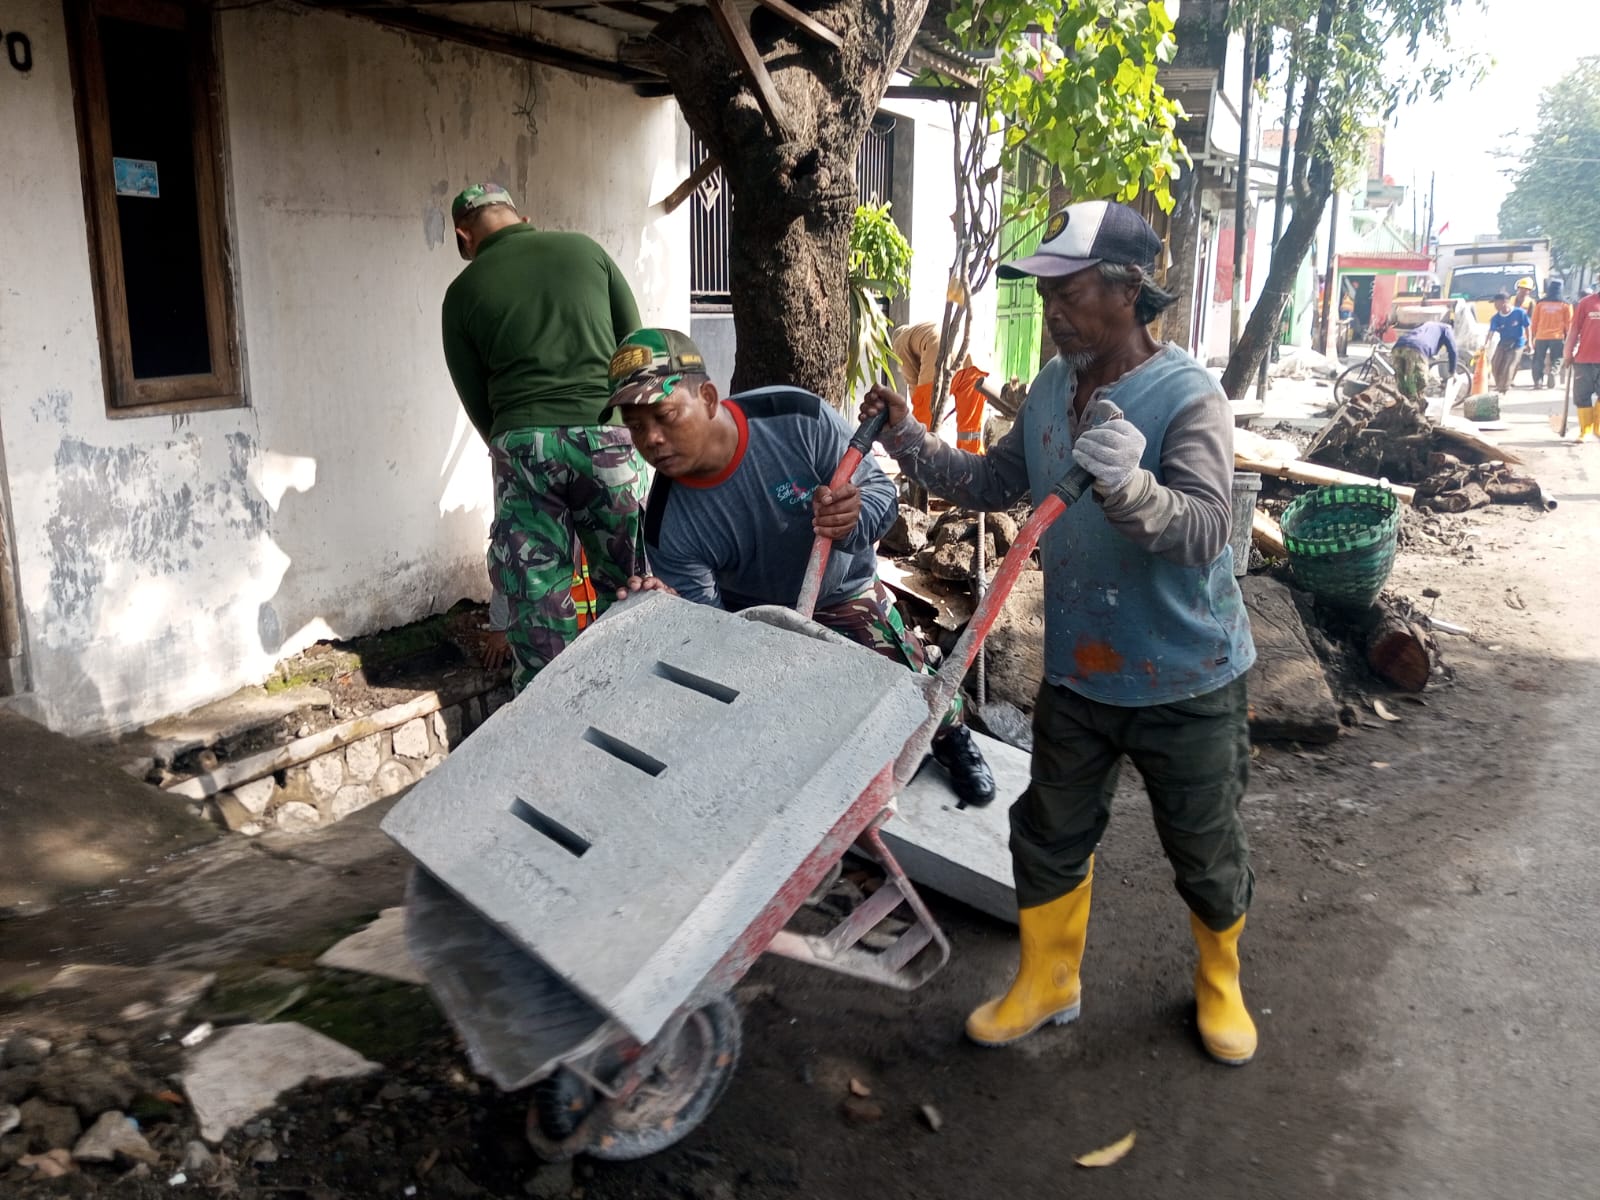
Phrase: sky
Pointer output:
(1469, 138)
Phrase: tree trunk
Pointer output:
(1311, 187)
(1262, 327)
(794, 190)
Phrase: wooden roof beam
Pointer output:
(805, 21)
(737, 35)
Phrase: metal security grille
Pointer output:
(712, 204)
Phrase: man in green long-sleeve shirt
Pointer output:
(529, 330)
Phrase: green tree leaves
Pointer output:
(1554, 193)
(1075, 83)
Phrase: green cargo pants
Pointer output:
(1195, 759)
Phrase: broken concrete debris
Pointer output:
(241, 1072)
(379, 949)
(112, 1138)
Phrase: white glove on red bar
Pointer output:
(1109, 448)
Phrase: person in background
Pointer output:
(1523, 297)
(1511, 326)
(1552, 321)
(1413, 352)
(1583, 352)
(917, 348)
(529, 327)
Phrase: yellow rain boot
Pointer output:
(1045, 990)
(1587, 422)
(1225, 1025)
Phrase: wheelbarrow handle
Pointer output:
(860, 445)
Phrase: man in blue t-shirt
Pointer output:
(1512, 324)
(740, 493)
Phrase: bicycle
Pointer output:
(1378, 367)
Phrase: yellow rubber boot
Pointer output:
(1225, 1025)
(1045, 990)
(1587, 423)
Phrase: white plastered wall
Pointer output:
(165, 561)
(932, 236)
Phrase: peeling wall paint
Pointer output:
(165, 561)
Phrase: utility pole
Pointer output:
(1282, 192)
(1427, 240)
(1241, 184)
(1329, 341)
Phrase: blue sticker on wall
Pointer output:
(136, 177)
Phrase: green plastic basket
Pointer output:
(1341, 542)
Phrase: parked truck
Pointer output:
(1474, 271)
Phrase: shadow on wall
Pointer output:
(411, 583)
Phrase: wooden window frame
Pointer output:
(127, 396)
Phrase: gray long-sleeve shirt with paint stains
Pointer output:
(1139, 628)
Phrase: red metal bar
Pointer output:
(966, 648)
(866, 433)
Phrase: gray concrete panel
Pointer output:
(964, 853)
(630, 814)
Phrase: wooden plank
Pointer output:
(805, 21)
(737, 35)
(686, 189)
(1304, 472)
(1268, 535)
(907, 91)
(494, 40)
(302, 750)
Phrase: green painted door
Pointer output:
(1019, 316)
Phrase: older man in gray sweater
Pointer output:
(1146, 638)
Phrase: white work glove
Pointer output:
(1109, 448)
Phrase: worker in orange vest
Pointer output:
(917, 347)
(1552, 321)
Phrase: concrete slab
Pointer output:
(634, 810)
(379, 949)
(963, 853)
(223, 719)
(242, 1071)
(71, 819)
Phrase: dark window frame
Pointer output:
(128, 396)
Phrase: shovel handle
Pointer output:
(860, 444)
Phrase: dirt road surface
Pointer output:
(1423, 959)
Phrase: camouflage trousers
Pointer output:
(1411, 372)
(552, 485)
(872, 619)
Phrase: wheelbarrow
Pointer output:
(603, 861)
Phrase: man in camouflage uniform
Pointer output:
(741, 490)
(529, 328)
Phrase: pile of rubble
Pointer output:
(1383, 434)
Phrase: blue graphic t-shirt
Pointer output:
(1511, 326)
(744, 537)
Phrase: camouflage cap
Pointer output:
(649, 363)
(479, 195)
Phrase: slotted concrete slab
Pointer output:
(379, 949)
(964, 853)
(635, 809)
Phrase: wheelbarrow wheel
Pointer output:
(567, 1117)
